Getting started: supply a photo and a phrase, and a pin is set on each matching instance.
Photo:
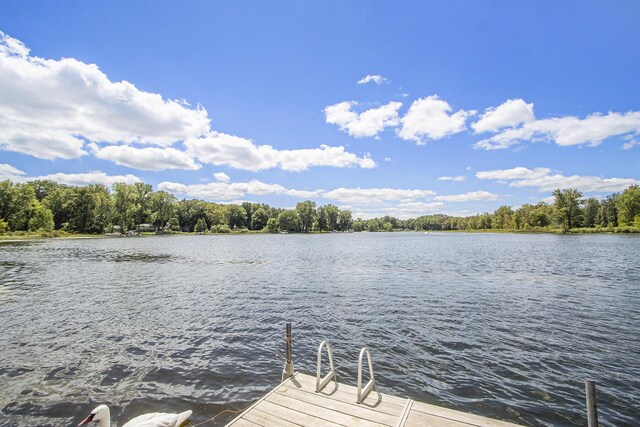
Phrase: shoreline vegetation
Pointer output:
(46, 209)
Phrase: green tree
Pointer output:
(236, 216)
(608, 213)
(628, 205)
(345, 220)
(89, 209)
(56, 201)
(259, 219)
(41, 218)
(142, 203)
(24, 202)
(321, 219)
(540, 216)
(124, 203)
(591, 209)
(173, 224)
(189, 211)
(272, 225)
(289, 221)
(502, 218)
(248, 209)
(567, 208)
(332, 213)
(201, 225)
(43, 188)
(306, 213)
(215, 214)
(163, 206)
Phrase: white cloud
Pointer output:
(514, 173)
(467, 197)
(221, 176)
(458, 178)
(224, 191)
(50, 107)
(511, 113)
(9, 172)
(375, 195)
(54, 109)
(377, 79)
(630, 144)
(366, 124)
(543, 179)
(567, 131)
(401, 210)
(431, 118)
(150, 158)
(241, 153)
(96, 177)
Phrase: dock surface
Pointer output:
(295, 403)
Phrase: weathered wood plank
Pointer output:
(294, 403)
(320, 412)
(348, 408)
(293, 415)
(268, 419)
(464, 417)
(243, 423)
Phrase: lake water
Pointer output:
(501, 325)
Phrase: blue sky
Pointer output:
(505, 99)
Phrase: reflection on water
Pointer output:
(507, 326)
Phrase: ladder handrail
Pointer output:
(320, 384)
(371, 385)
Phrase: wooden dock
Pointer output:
(295, 403)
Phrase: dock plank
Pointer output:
(286, 417)
(294, 403)
(243, 423)
(266, 419)
(352, 409)
(316, 410)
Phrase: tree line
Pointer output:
(46, 206)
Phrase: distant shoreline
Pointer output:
(7, 238)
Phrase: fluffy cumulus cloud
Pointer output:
(458, 178)
(432, 118)
(64, 109)
(511, 113)
(472, 196)
(241, 153)
(514, 123)
(544, 179)
(366, 124)
(10, 172)
(81, 179)
(375, 195)
(149, 158)
(49, 108)
(402, 210)
(225, 191)
(222, 177)
(377, 79)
